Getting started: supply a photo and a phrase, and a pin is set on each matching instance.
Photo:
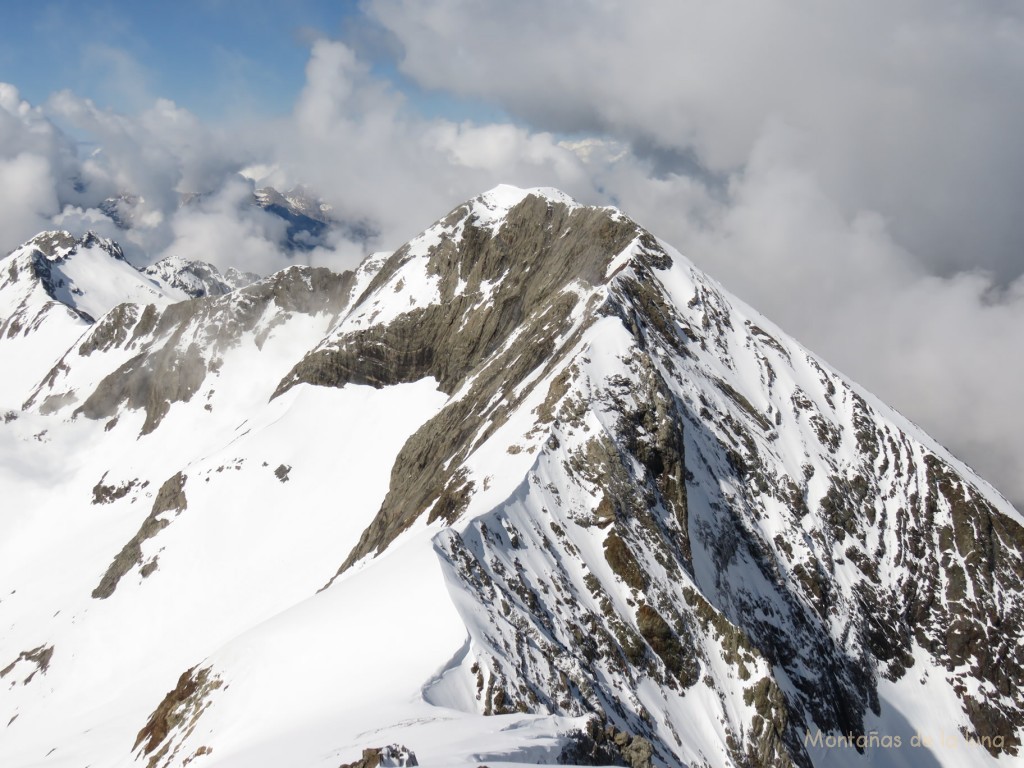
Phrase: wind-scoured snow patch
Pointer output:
(409, 286)
(490, 209)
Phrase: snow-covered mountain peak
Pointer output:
(307, 216)
(198, 278)
(51, 289)
(88, 274)
(541, 231)
(57, 245)
(472, 286)
(601, 386)
(60, 245)
(298, 200)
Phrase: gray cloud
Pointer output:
(386, 170)
(353, 138)
(37, 168)
(159, 154)
(225, 229)
(908, 108)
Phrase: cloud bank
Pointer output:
(853, 171)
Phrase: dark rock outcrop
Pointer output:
(37, 658)
(179, 709)
(602, 744)
(391, 756)
(170, 497)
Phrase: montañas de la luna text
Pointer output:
(922, 739)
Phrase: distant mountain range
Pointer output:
(307, 217)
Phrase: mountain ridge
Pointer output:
(619, 492)
(52, 289)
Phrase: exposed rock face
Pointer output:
(952, 603)
(180, 709)
(121, 209)
(150, 382)
(103, 493)
(488, 288)
(506, 304)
